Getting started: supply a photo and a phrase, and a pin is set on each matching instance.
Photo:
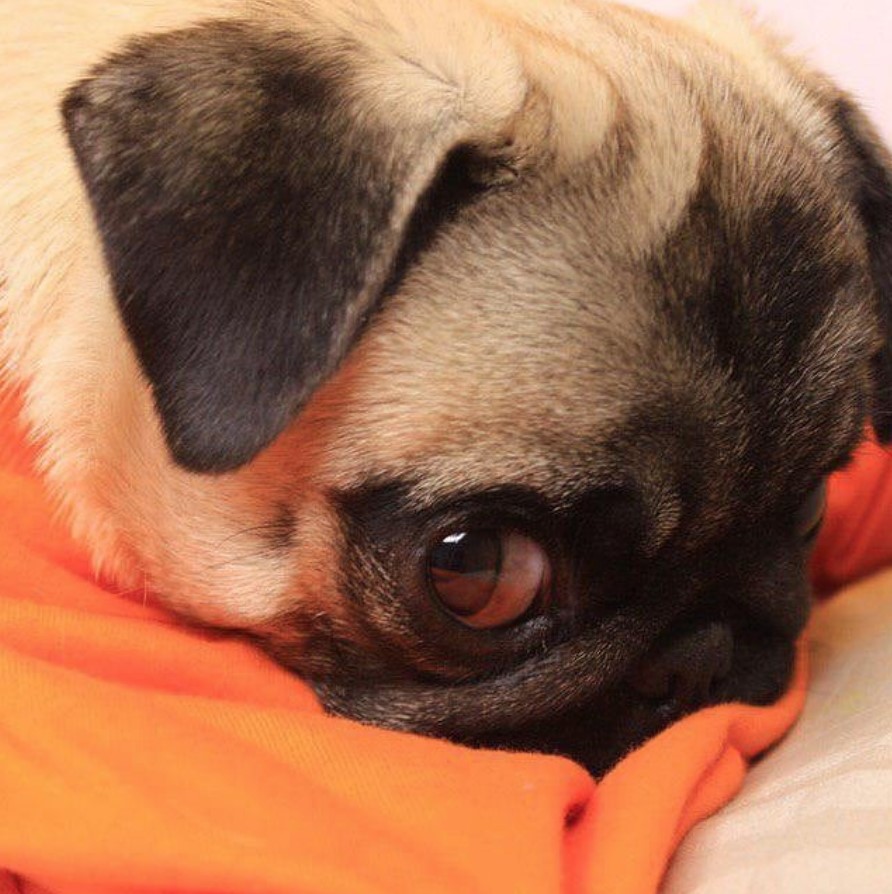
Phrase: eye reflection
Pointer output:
(487, 577)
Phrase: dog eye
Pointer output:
(811, 513)
(488, 577)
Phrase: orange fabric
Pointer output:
(137, 755)
(857, 535)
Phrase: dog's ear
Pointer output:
(254, 192)
(871, 184)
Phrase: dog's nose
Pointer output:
(685, 670)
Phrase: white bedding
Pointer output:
(815, 815)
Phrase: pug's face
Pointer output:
(497, 399)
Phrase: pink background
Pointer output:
(849, 39)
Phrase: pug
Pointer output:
(485, 362)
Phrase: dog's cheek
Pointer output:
(218, 549)
(257, 549)
(317, 629)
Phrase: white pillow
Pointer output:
(815, 815)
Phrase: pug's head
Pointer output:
(491, 369)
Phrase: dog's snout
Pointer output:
(685, 670)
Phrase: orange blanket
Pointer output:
(136, 755)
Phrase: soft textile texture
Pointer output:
(138, 755)
(816, 814)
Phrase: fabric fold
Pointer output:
(138, 754)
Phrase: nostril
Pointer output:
(687, 668)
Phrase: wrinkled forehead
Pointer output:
(555, 330)
(511, 331)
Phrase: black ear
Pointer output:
(872, 187)
(252, 191)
